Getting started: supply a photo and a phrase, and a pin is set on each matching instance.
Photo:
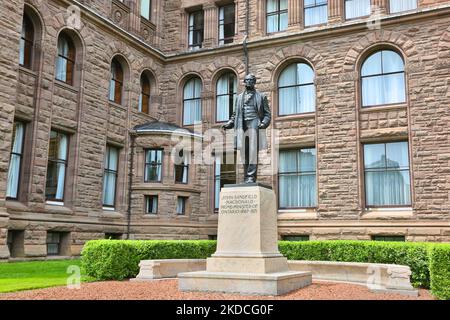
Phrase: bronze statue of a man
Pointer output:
(250, 117)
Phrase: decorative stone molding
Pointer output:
(380, 37)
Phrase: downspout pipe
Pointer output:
(247, 26)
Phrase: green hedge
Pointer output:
(412, 254)
(119, 259)
(440, 271)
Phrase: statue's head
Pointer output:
(250, 81)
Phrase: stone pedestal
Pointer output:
(247, 259)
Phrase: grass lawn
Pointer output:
(17, 276)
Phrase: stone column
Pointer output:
(295, 15)
(379, 6)
(336, 11)
(11, 20)
(210, 36)
(135, 15)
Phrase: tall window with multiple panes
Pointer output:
(65, 64)
(297, 178)
(56, 167)
(316, 12)
(357, 8)
(195, 31)
(226, 23)
(26, 43)
(111, 167)
(192, 102)
(15, 164)
(182, 167)
(153, 165)
(386, 174)
(226, 91)
(276, 15)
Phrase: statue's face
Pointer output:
(250, 83)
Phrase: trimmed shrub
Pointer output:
(440, 271)
(119, 259)
(412, 254)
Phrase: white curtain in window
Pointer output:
(317, 14)
(388, 188)
(110, 176)
(385, 89)
(152, 204)
(14, 165)
(191, 32)
(356, 8)
(180, 205)
(61, 63)
(221, 27)
(297, 91)
(61, 166)
(192, 106)
(402, 5)
(223, 98)
(297, 183)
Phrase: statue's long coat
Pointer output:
(264, 114)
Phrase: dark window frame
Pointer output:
(144, 98)
(315, 5)
(184, 205)
(109, 171)
(387, 169)
(184, 166)
(27, 37)
(222, 23)
(302, 173)
(382, 74)
(278, 13)
(70, 59)
(20, 155)
(56, 161)
(117, 77)
(199, 98)
(149, 199)
(231, 94)
(196, 30)
(148, 164)
(59, 234)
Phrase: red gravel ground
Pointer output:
(168, 290)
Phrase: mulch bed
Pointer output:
(168, 290)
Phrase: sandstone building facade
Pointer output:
(94, 95)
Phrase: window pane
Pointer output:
(109, 188)
(397, 155)
(387, 188)
(181, 205)
(374, 156)
(316, 15)
(56, 169)
(392, 62)
(145, 8)
(151, 204)
(357, 8)
(283, 21)
(15, 160)
(372, 65)
(272, 23)
(307, 160)
(272, 6)
(402, 5)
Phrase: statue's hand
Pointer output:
(228, 125)
(262, 125)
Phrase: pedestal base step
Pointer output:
(244, 283)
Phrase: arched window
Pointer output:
(144, 97)
(226, 93)
(26, 43)
(383, 79)
(116, 82)
(192, 103)
(296, 92)
(66, 59)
